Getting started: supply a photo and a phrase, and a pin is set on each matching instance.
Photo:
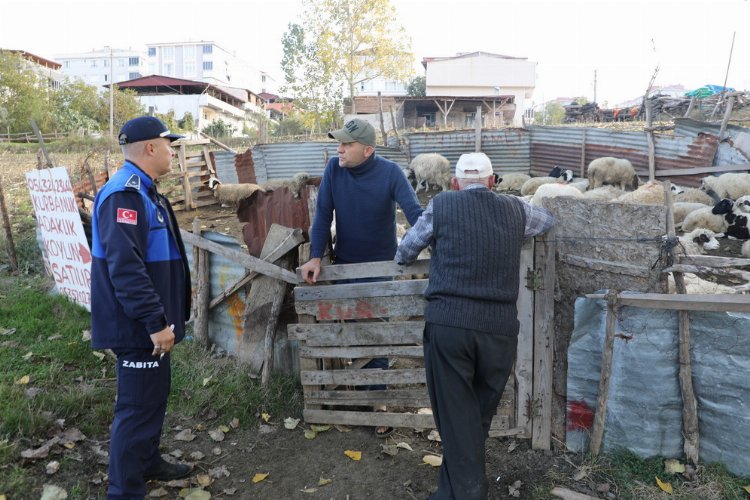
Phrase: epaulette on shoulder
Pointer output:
(134, 183)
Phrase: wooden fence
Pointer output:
(186, 187)
(342, 326)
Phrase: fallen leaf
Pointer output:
(223, 428)
(197, 494)
(320, 428)
(291, 423)
(309, 490)
(216, 451)
(52, 467)
(514, 489)
(229, 491)
(389, 449)
(52, 492)
(434, 460)
(179, 483)
(434, 435)
(216, 435)
(69, 445)
(54, 337)
(176, 453)
(581, 472)
(310, 434)
(342, 428)
(265, 416)
(197, 455)
(23, 380)
(158, 492)
(665, 487)
(86, 335)
(512, 446)
(672, 466)
(200, 427)
(354, 455)
(204, 480)
(42, 451)
(27, 356)
(207, 380)
(99, 355)
(404, 446)
(186, 435)
(323, 481)
(72, 434)
(219, 472)
(235, 423)
(747, 488)
(259, 477)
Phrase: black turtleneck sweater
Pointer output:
(364, 198)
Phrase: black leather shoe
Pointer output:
(165, 471)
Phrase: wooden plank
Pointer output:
(245, 260)
(411, 398)
(291, 241)
(711, 261)
(202, 289)
(209, 164)
(523, 367)
(262, 306)
(398, 420)
(716, 169)
(278, 299)
(344, 334)
(515, 431)
(369, 308)
(364, 376)
(567, 494)
(185, 181)
(604, 265)
(386, 351)
(676, 302)
(360, 290)
(605, 372)
(544, 307)
(371, 270)
(705, 269)
(306, 364)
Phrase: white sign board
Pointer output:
(67, 253)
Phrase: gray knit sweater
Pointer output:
(475, 261)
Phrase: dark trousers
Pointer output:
(143, 383)
(466, 373)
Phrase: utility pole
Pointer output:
(594, 85)
(111, 97)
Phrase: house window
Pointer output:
(133, 61)
(106, 63)
(189, 69)
(106, 77)
(208, 65)
(169, 69)
(208, 49)
(167, 52)
(188, 52)
(151, 51)
(470, 118)
(93, 63)
(133, 76)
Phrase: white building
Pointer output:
(102, 66)
(479, 74)
(48, 72)
(207, 62)
(382, 85)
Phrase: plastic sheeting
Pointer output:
(644, 408)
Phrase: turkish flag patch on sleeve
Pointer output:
(127, 216)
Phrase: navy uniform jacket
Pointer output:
(140, 279)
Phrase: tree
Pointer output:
(188, 122)
(417, 87)
(23, 95)
(219, 128)
(553, 114)
(76, 107)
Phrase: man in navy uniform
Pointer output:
(140, 300)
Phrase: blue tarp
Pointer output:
(708, 90)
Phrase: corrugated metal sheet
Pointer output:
(509, 149)
(225, 323)
(733, 150)
(283, 160)
(225, 169)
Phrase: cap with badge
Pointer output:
(356, 130)
(473, 166)
(144, 128)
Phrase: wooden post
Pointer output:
(478, 130)
(382, 123)
(583, 155)
(690, 429)
(544, 307)
(307, 364)
(690, 107)
(41, 143)
(727, 115)
(650, 139)
(209, 163)
(182, 160)
(202, 289)
(8, 234)
(393, 123)
(524, 366)
(271, 335)
(605, 371)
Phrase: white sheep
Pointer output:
(231, 194)
(530, 186)
(582, 185)
(603, 193)
(294, 184)
(681, 209)
(731, 185)
(742, 204)
(694, 195)
(511, 182)
(696, 285)
(650, 193)
(699, 240)
(709, 217)
(614, 171)
(554, 191)
(745, 250)
(431, 168)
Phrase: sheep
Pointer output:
(431, 168)
(603, 193)
(294, 184)
(409, 173)
(731, 185)
(614, 171)
(553, 191)
(557, 175)
(709, 217)
(582, 185)
(681, 209)
(511, 182)
(737, 227)
(742, 204)
(651, 193)
(231, 194)
(694, 195)
(698, 241)
(696, 285)
(745, 250)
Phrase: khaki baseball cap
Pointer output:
(356, 130)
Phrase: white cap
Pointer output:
(473, 166)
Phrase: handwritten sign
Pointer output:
(66, 251)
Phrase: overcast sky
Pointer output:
(623, 41)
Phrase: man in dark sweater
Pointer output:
(471, 321)
(362, 189)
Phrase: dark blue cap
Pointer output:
(144, 128)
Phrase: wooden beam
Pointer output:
(544, 309)
(711, 261)
(740, 167)
(362, 290)
(692, 302)
(362, 308)
(202, 289)
(372, 269)
(361, 333)
(605, 371)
